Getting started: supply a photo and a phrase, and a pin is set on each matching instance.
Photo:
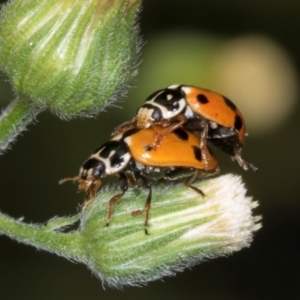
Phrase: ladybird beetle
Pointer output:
(207, 113)
(128, 156)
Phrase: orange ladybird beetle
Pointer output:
(206, 113)
(128, 156)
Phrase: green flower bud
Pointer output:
(185, 229)
(73, 57)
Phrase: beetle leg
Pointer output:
(238, 157)
(201, 126)
(143, 182)
(190, 180)
(179, 121)
(123, 183)
(92, 187)
(125, 126)
(203, 146)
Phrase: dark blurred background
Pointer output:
(247, 50)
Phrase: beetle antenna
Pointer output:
(68, 179)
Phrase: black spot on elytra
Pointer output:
(148, 148)
(181, 134)
(238, 123)
(202, 99)
(197, 153)
(229, 103)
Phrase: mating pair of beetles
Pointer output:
(166, 140)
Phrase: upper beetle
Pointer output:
(209, 114)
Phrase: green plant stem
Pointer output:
(44, 237)
(14, 119)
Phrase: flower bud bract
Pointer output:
(73, 57)
(185, 229)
